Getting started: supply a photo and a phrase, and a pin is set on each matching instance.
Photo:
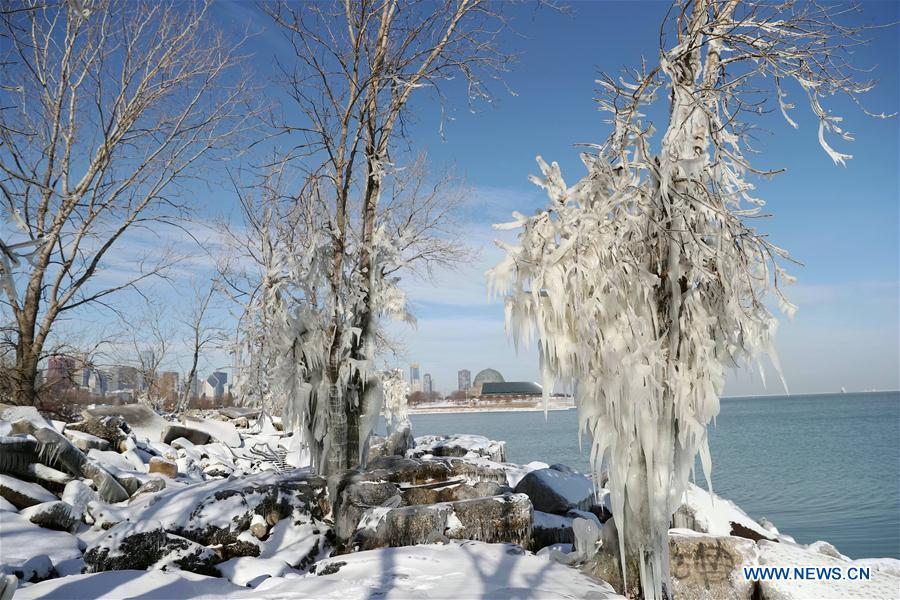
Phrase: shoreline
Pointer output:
(472, 409)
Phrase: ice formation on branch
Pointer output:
(396, 392)
(643, 282)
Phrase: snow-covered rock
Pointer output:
(23, 413)
(7, 506)
(504, 518)
(163, 467)
(146, 544)
(143, 422)
(250, 571)
(881, 585)
(557, 491)
(85, 441)
(23, 494)
(194, 436)
(455, 570)
(218, 431)
(459, 444)
(706, 567)
(549, 529)
(113, 429)
(708, 513)
(218, 511)
(22, 541)
(56, 514)
(148, 585)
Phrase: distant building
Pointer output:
(464, 379)
(415, 384)
(126, 378)
(427, 385)
(214, 386)
(167, 384)
(486, 376)
(511, 388)
(60, 371)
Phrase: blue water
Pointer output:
(820, 467)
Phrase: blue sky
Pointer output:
(842, 223)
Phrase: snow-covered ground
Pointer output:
(214, 507)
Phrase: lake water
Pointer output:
(820, 467)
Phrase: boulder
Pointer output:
(195, 436)
(163, 467)
(145, 545)
(111, 428)
(555, 491)
(77, 494)
(395, 444)
(85, 441)
(150, 486)
(23, 494)
(459, 445)
(25, 546)
(141, 419)
(497, 519)
(58, 452)
(705, 512)
(218, 431)
(56, 515)
(707, 567)
(548, 529)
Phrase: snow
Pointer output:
(550, 521)
(290, 541)
(115, 585)
(6, 506)
(250, 571)
(19, 413)
(21, 540)
(454, 570)
(883, 583)
(574, 487)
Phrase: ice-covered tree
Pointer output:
(645, 282)
(354, 69)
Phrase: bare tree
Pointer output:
(103, 114)
(356, 65)
(203, 334)
(647, 279)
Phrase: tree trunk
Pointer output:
(24, 392)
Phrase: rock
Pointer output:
(16, 454)
(555, 491)
(249, 571)
(85, 441)
(459, 445)
(239, 412)
(218, 511)
(356, 499)
(548, 529)
(8, 585)
(708, 513)
(396, 444)
(149, 487)
(218, 431)
(22, 542)
(111, 428)
(259, 527)
(882, 584)
(163, 467)
(35, 569)
(195, 436)
(26, 413)
(144, 545)
(497, 519)
(56, 515)
(241, 423)
(23, 494)
(78, 495)
(58, 452)
(141, 419)
(709, 567)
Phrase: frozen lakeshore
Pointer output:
(127, 503)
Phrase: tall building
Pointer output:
(427, 385)
(464, 378)
(415, 384)
(167, 384)
(60, 371)
(214, 386)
